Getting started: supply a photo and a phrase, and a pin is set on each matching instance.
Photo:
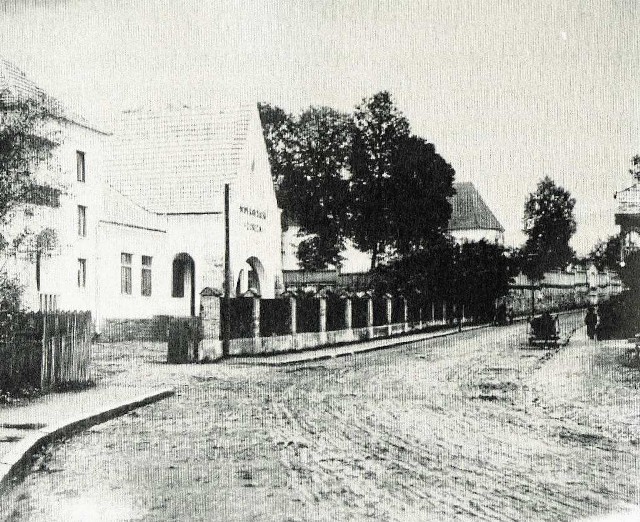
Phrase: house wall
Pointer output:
(475, 235)
(112, 302)
(59, 267)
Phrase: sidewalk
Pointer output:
(346, 349)
(25, 428)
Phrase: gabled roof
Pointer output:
(469, 211)
(177, 160)
(16, 84)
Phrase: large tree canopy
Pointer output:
(421, 183)
(379, 131)
(549, 225)
(310, 156)
(606, 254)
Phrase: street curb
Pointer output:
(358, 347)
(17, 462)
(353, 348)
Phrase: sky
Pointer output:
(508, 91)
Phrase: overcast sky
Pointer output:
(508, 91)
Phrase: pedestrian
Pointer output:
(510, 315)
(591, 320)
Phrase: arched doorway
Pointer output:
(184, 280)
(250, 277)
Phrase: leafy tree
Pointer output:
(314, 253)
(310, 156)
(26, 144)
(379, 131)
(279, 135)
(606, 254)
(635, 168)
(420, 185)
(482, 273)
(549, 225)
(427, 271)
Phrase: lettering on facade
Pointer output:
(254, 213)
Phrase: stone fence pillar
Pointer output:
(255, 317)
(347, 314)
(405, 314)
(322, 310)
(444, 312)
(293, 315)
(370, 316)
(389, 311)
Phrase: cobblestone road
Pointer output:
(468, 427)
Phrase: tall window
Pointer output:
(82, 221)
(125, 273)
(82, 273)
(80, 166)
(146, 275)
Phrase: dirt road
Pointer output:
(467, 427)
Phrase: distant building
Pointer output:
(139, 215)
(628, 217)
(471, 220)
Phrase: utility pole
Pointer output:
(226, 327)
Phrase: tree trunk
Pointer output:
(374, 255)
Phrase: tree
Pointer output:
(606, 254)
(635, 168)
(549, 225)
(427, 271)
(379, 130)
(278, 132)
(26, 143)
(421, 183)
(310, 156)
(482, 273)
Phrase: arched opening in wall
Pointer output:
(184, 279)
(250, 277)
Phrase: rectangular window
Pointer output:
(80, 166)
(82, 273)
(125, 273)
(146, 276)
(82, 221)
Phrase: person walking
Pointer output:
(591, 320)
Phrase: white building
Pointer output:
(139, 215)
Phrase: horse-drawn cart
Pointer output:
(544, 331)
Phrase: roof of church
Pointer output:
(16, 84)
(469, 211)
(178, 160)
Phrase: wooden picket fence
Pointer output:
(66, 348)
(45, 350)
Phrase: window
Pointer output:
(125, 273)
(80, 166)
(82, 273)
(82, 221)
(146, 276)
